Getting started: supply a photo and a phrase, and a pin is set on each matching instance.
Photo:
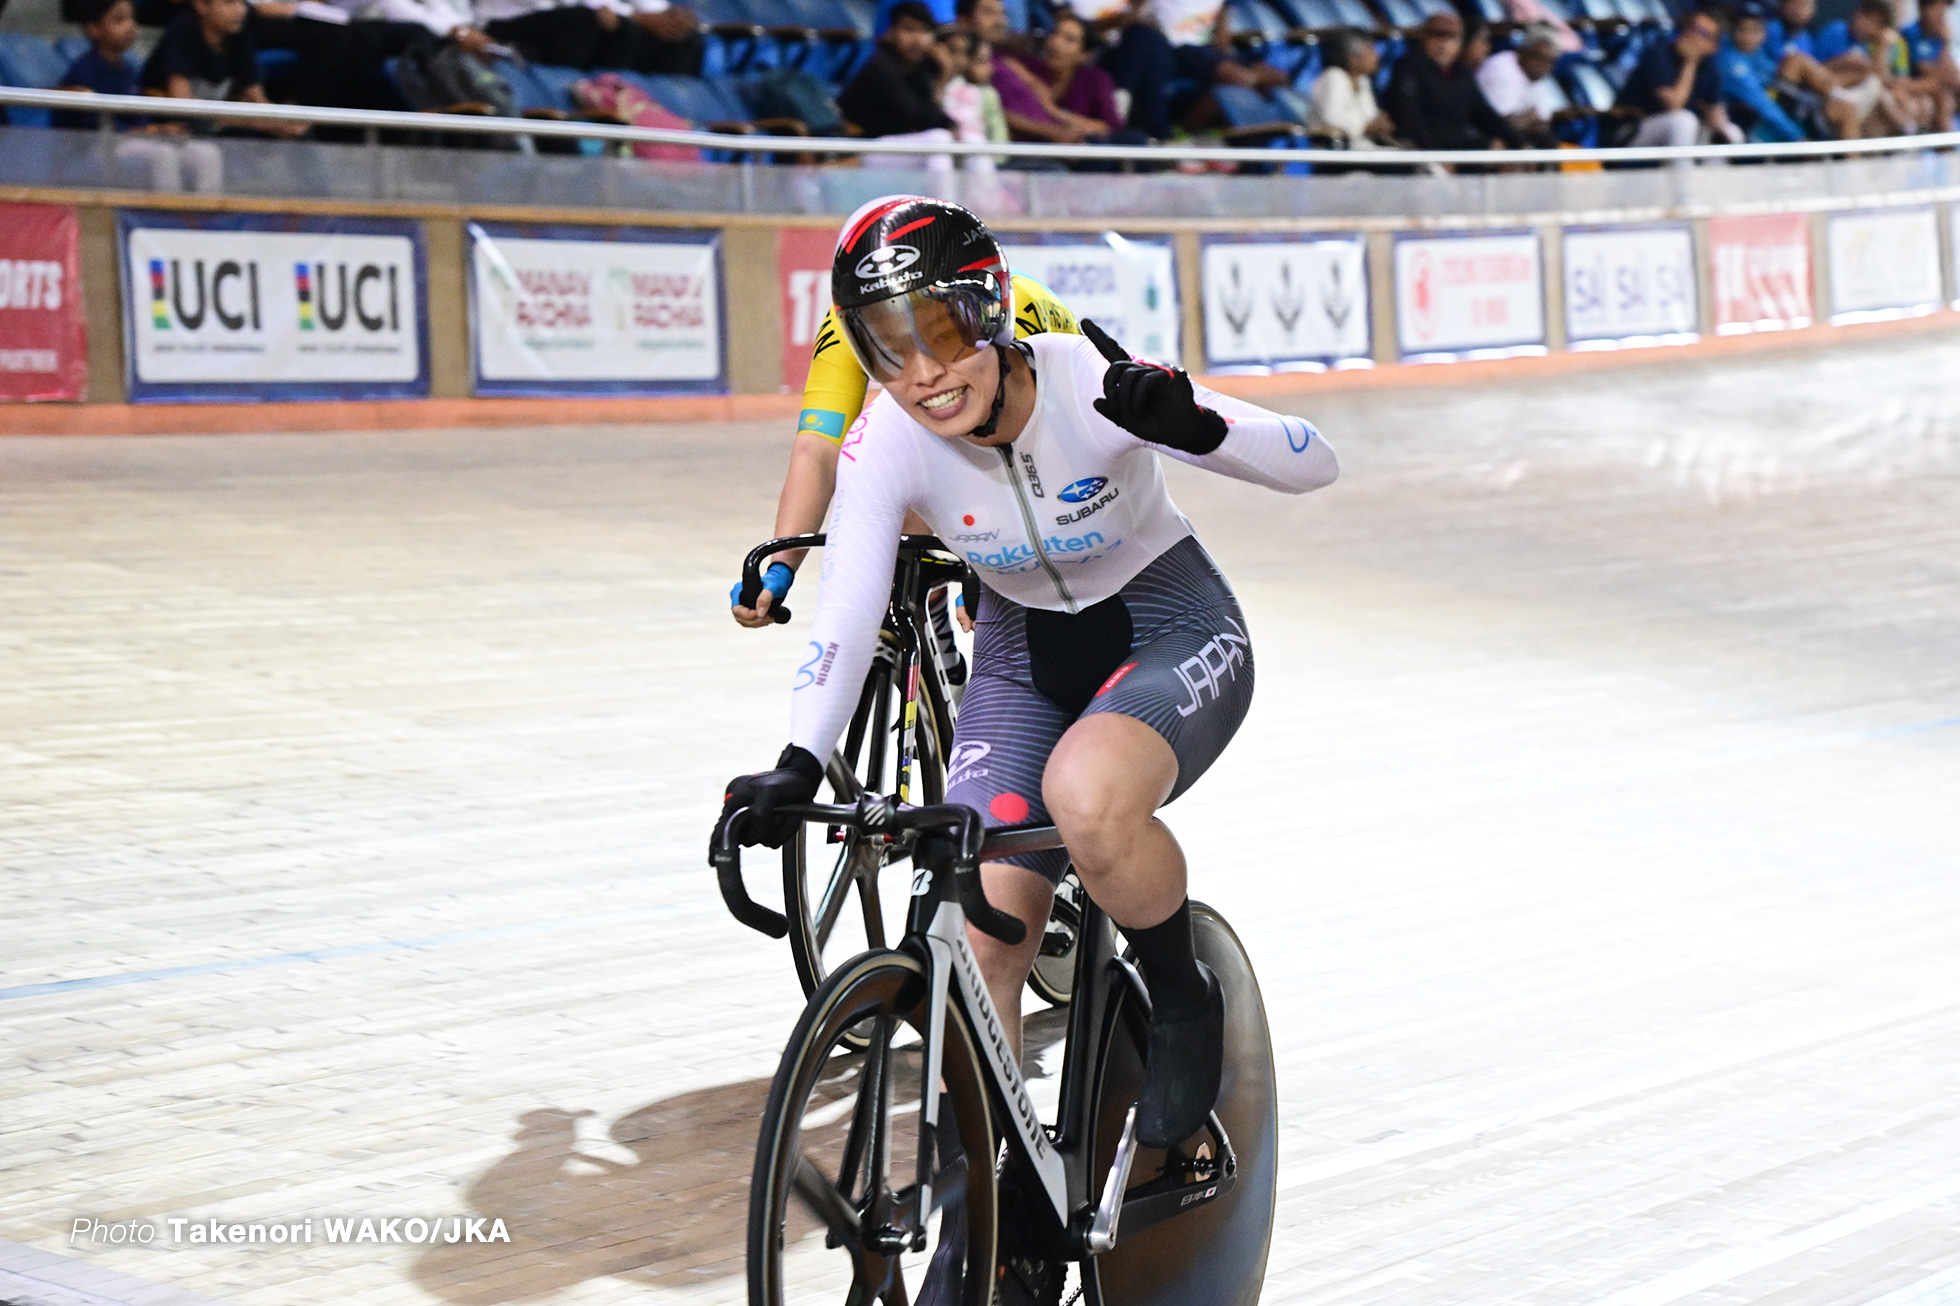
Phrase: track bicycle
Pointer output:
(875, 1175)
(902, 730)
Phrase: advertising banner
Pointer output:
(1884, 264)
(43, 349)
(1469, 294)
(243, 307)
(1761, 272)
(1630, 284)
(595, 310)
(803, 264)
(1128, 285)
(1277, 302)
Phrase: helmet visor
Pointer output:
(946, 323)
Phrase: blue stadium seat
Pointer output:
(1585, 83)
(29, 62)
(71, 48)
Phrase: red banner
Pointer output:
(43, 351)
(803, 262)
(1762, 272)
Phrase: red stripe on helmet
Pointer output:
(851, 236)
(983, 263)
(910, 226)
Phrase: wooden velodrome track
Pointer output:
(1595, 833)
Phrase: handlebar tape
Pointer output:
(728, 872)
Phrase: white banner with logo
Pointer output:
(1469, 294)
(566, 311)
(1884, 263)
(1273, 302)
(1630, 284)
(1129, 287)
(272, 308)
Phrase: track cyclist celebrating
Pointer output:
(832, 399)
(1111, 661)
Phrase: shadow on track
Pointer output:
(675, 1216)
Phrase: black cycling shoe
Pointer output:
(1182, 1071)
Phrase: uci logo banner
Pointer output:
(275, 308)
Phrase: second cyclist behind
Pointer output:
(1111, 661)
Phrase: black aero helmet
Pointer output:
(912, 273)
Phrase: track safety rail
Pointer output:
(390, 120)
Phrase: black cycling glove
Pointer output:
(1153, 402)
(756, 797)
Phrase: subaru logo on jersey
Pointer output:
(887, 259)
(1086, 488)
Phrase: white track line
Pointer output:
(1942, 1289)
(1738, 1261)
(1398, 1147)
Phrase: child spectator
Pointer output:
(1677, 89)
(980, 73)
(1873, 70)
(205, 55)
(106, 69)
(1745, 91)
(972, 108)
(1343, 96)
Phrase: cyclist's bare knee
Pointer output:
(1104, 782)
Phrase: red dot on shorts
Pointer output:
(968, 519)
(1009, 808)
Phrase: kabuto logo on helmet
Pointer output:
(887, 259)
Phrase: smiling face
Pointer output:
(948, 399)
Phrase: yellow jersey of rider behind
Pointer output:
(834, 394)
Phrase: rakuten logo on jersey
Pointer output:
(1022, 557)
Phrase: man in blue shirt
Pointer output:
(1929, 46)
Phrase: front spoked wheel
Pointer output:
(835, 1214)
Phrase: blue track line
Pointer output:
(349, 950)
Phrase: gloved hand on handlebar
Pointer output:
(1153, 402)
(752, 800)
(776, 581)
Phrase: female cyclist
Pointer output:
(832, 399)
(1111, 661)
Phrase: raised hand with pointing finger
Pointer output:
(1153, 402)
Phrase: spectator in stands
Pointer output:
(1873, 69)
(1518, 84)
(1788, 64)
(205, 55)
(1032, 112)
(161, 149)
(969, 97)
(643, 36)
(1078, 86)
(1168, 53)
(1343, 97)
(1929, 42)
(1745, 90)
(897, 92)
(1434, 100)
(1677, 89)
